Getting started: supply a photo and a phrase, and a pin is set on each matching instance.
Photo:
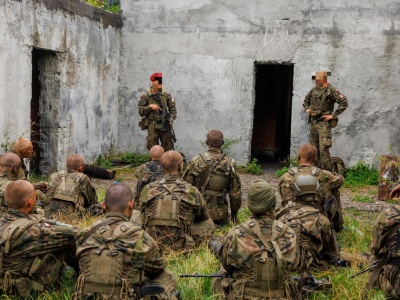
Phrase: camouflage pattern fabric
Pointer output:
(23, 171)
(172, 227)
(242, 249)
(145, 174)
(139, 263)
(314, 235)
(322, 99)
(86, 195)
(36, 254)
(4, 181)
(329, 187)
(389, 279)
(215, 193)
(155, 129)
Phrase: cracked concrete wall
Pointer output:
(206, 50)
(87, 50)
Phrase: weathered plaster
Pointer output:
(206, 50)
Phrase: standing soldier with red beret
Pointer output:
(158, 111)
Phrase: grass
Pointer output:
(354, 241)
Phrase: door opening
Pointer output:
(272, 111)
(44, 111)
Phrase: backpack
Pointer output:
(215, 178)
(68, 189)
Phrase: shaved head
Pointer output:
(8, 161)
(74, 162)
(215, 138)
(307, 153)
(117, 198)
(23, 147)
(17, 193)
(156, 152)
(170, 161)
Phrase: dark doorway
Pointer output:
(44, 111)
(272, 111)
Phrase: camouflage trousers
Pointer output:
(166, 279)
(389, 281)
(156, 135)
(321, 138)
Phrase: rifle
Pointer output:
(197, 275)
(370, 268)
(308, 282)
(334, 260)
(165, 118)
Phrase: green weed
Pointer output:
(134, 159)
(102, 162)
(252, 167)
(290, 162)
(363, 199)
(361, 174)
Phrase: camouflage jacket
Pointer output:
(386, 221)
(87, 193)
(23, 171)
(327, 182)
(145, 174)
(240, 247)
(214, 193)
(137, 254)
(324, 98)
(313, 232)
(4, 181)
(28, 246)
(165, 100)
(169, 207)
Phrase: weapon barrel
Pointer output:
(201, 275)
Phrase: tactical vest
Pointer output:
(111, 271)
(216, 183)
(157, 116)
(320, 100)
(68, 189)
(168, 209)
(39, 272)
(268, 280)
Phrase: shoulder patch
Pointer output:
(341, 96)
(172, 100)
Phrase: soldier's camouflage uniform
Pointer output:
(329, 184)
(314, 234)
(34, 255)
(145, 174)
(152, 121)
(223, 181)
(4, 181)
(130, 257)
(85, 195)
(174, 213)
(389, 279)
(241, 255)
(323, 99)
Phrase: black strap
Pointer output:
(94, 229)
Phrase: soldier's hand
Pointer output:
(394, 191)
(326, 118)
(154, 107)
(308, 111)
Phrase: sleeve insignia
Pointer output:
(341, 96)
(47, 225)
(172, 100)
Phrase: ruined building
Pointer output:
(76, 73)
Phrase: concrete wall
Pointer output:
(206, 50)
(78, 101)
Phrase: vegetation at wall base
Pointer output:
(134, 159)
(252, 167)
(361, 174)
(110, 5)
(288, 163)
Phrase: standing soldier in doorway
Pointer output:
(158, 111)
(319, 105)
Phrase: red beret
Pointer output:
(155, 75)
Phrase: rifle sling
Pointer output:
(381, 263)
(207, 173)
(94, 229)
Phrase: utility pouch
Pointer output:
(333, 123)
(48, 270)
(144, 123)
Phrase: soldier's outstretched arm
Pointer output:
(154, 263)
(202, 212)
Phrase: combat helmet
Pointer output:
(306, 184)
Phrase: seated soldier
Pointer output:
(256, 256)
(70, 191)
(385, 253)
(9, 170)
(315, 237)
(116, 257)
(33, 252)
(328, 199)
(24, 149)
(173, 211)
(148, 172)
